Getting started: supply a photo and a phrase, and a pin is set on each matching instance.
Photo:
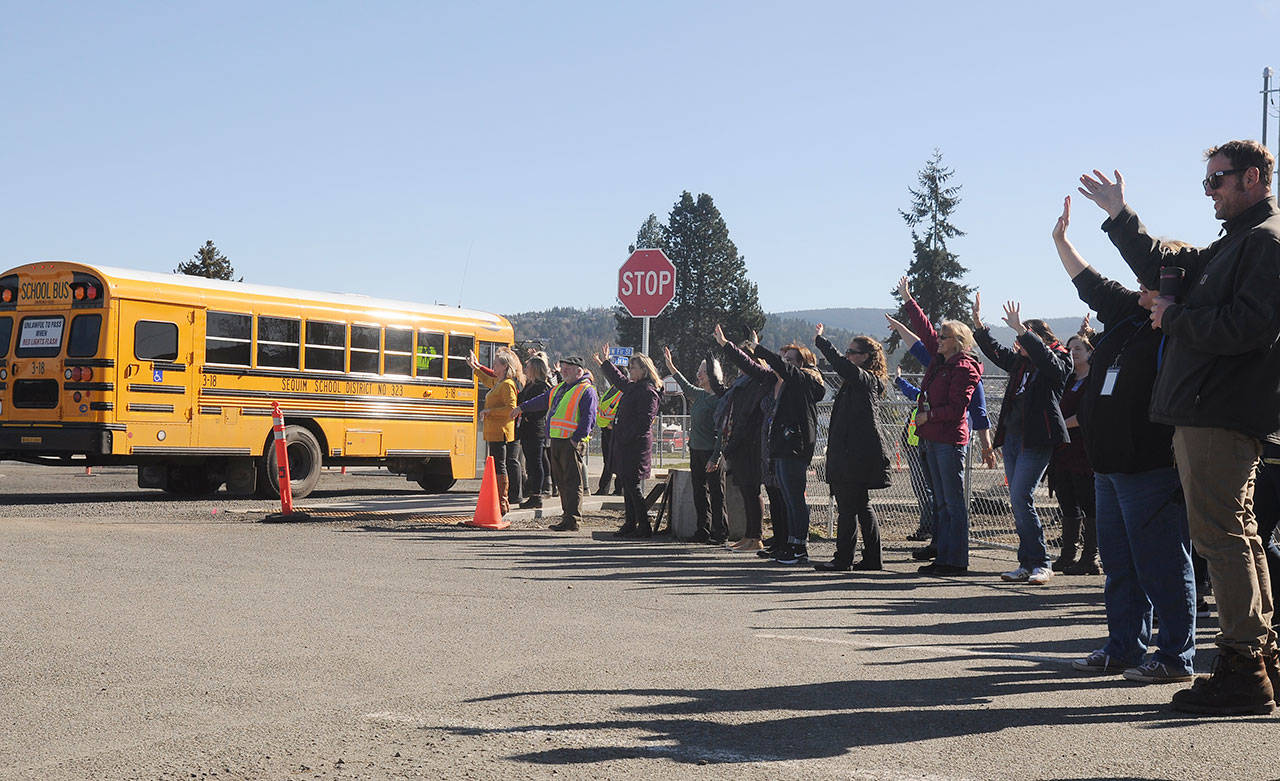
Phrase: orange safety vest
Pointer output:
(564, 411)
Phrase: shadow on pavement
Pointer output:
(715, 726)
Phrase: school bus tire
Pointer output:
(305, 461)
(436, 484)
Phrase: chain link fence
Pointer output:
(903, 507)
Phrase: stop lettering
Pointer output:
(646, 283)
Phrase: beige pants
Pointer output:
(1217, 467)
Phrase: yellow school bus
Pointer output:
(176, 375)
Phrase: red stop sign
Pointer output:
(646, 283)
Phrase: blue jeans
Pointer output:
(946, 473)
(1023, 467)
(1145, 547)
(792, 475)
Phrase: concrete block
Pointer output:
(684, 521)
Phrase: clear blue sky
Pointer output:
(384, 147)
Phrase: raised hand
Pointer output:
(1060, 230)
(718, 333)
(1013, 316)
(755, 338)
(977, 309)
(1084, 325)
(904, 289)
(907, 336)
(1107, 194)
(817, 329)
(666, 354)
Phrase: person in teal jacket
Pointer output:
(704, 448)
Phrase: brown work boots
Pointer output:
(1239, 685)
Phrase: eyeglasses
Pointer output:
(1214, 180)
(946, 336)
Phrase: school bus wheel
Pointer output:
(436, 484)
(304, 463)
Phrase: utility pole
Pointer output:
(1267, 92)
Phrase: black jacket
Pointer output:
(1047, 368)
(1118, 434)
(532, 426)
(794, 432)
(741, 442)
(1220, 366)
(855, 450)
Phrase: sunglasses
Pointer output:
(856, 352)
(1214, 180)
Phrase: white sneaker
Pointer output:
(1040, 576)
(1018, 575)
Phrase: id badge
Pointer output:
(1109, 383)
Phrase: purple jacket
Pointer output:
(632, 438)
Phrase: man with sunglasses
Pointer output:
(1218, 384)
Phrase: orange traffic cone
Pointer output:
(488, 511)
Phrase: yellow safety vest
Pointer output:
(608, 409)
(564, 413)
(913, 439)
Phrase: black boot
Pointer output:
(1238, 686)
(532, 502)
(1070, 540)
(626, 529)
(643, 530)
(1088, 563)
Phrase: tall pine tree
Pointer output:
(711, 285)
(208, 262)
(934, 271)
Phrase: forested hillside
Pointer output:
(570, 331)
(566, 330)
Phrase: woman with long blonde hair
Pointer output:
(632, 439)
(504, 382)
(531, 430)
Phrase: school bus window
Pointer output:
(460, 347)
(39, 337)
(365, 342)
(397, 351)
(430, 361)
(228, 338)
(278, 342)
(154, 341)
(326, 343)
(83, 342)
(6, 334)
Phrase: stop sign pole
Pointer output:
(646, 284)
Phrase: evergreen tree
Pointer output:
(711, 285)
(934, 271)
(208, 262)
(649, 236)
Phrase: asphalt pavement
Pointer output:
(148, 637)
